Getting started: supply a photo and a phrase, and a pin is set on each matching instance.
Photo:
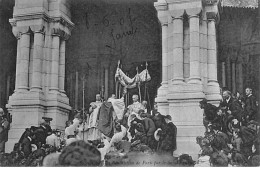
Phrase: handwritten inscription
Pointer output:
(118, 26)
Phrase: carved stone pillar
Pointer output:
(223, 68)
(178, 50)
(194, 50)
(106, 83)
(228, 68)
(239, 72)
(164, 54)
(62, 66)
(163, 15)
(24, 62)
(233, 58)
(37, 61)
(55, 63)
(233, 66)
(40, 59)
(213, 90)
(212, 52)
(18, 58)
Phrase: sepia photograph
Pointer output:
(129, 83)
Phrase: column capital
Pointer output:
(193, 12)
(212, 16)
(177, 14)
(60, 33)
(161, 5)
(163, 20)
(164, 24)
(38, 29)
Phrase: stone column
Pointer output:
(37, 61)
(240, 86)
(178, 50)
(106, 83)
(24, 62)
(223, 67)
(212, 52)
(228, 65)
(213, 90)
(163, 15)
(164, 54)
(62, 66)
(76, 90)
(55, 63)
(233, 77)
(194, 50)
(18, 58)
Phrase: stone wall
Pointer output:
(238, 43)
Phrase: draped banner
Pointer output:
(131, 82)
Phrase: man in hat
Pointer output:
(43, 131)
(167, 141)
(4, 127)
(210, 112)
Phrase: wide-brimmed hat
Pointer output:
(167, 117)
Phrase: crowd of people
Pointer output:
(107, 126)
(110, 128)
(232, 132)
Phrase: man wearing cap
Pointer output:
(167, 141)
(4, 127)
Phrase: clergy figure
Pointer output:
(134, 108)
(93, 133)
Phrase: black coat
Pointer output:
(250, 106)
(210, 112)
(234, 106)
(26, 146)
(167, 141)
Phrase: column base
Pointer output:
(178, 81)
(28, 108)
(58, 108)
(161, 99)
(36, 89)
(194, 81)
(188, 118)
(213, 92)
(182, 103)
